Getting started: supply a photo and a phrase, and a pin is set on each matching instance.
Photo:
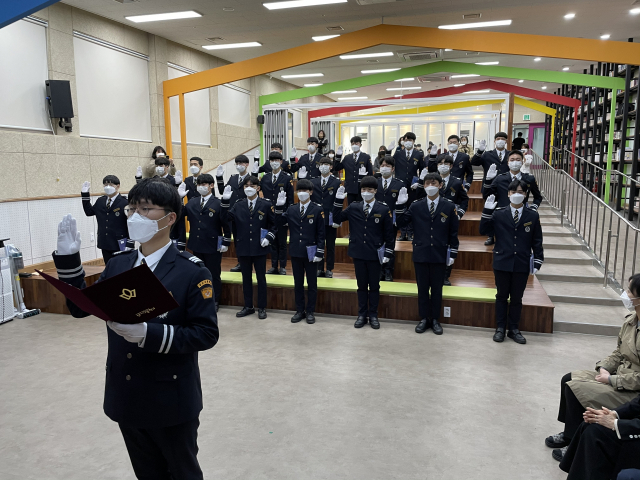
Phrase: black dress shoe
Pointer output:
(298, 316)
(558, 453)
(446, 282)
(489, 241)
(436, 327)
(272, 271)
(262, 313)
(360, 322)
(423, 325)
(388, 277)
(246, 311)
(557, 441)
(321, 273)
(373, 321)
(410, 237)
(328, 274)
(310, 318)
(516, 336)
(499, 335)
(402, 237)
(282, 271)
(235, 269)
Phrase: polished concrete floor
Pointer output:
(283, 401)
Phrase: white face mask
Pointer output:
(324, 169)
(408, 144)
(193, 170)
(160, 170)
(312, 149)
(385, 171)
(463, 142)
(453, 147)
(443, 169)
(109, 190)
(355, 148)
(143, 229)
(431, 190)
(331, 155)
(516, 198)
(367, 196)
(250, 191)
(627, 302)
(303, 196)
(202, 190)
(500, 144)
(515, 165)
(159, 154)
(275, 165)
(240, 168)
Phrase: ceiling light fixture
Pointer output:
(323, 37)
(570, 16)
(459, 84)
(163, 16)
(537, 59)
(460, 26)
(520, 81)
(487, 63)
(313, 84)
(565, 69)
(366, 55)
(465, 76)
(303, 75)
(405, 79)
(382, 70)
(232, 45)
(634, 11)
(353, 98)
(478, 91)
(448, 49)
(544, 87)
(606, 36)
(300, 3)
(345, 91)
(228, 9)
(405, 88)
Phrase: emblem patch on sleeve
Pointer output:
(207, 293)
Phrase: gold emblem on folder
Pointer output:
(127, 294)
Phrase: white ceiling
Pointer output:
(281, 29)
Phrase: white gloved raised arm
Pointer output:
(294, 153)
(256, 167)
(490, 202)
(302, 173)
(178, 177)
(86, 186)
(219, 171)
(423, 173)
(391, 146)
(139, 172)
(483, 146)
(226, 194)
(492, 172)
(434, 150)
(341, 193)
(256, 154)
(282, 199)
(339, 151)
(69, 240)
(403, 196)
(182, 190)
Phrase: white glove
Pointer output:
(134, 333)
(68, 236)
(182, 190)
(362, 171)
(492, 172)
(86, 186)
(282, 199)
(223, 248)
(219, 171)
(535, 270)
(264, 242)
(256, 167)
(294, 153)
(414, 185)
(178, 177)
(335, 225)
(341, 193)
(385, 260)
(450, 262)
(528, 159)
(434, 150)
(256, 154)
(139, 172)
(490, 203)
(403, 196)
(423, 173)
(483, 146)
(339, 151)
(302, 173)
(392, 145)
(226, 194)
(316, 259)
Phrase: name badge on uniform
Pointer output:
(443, 218)
(310, 218)
(453, 190)
(115, 210)
(281, 184)
(527, 228)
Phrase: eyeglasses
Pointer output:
(142, 211)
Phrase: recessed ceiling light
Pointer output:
(163, 16)
(537, 59)
(459, 84)
(478, 91)
(520, 81)
(313, 84)
(366, 55)
(544, 87)
(634, 11)
(232, 45)
(345, 91)
(323, 37)
(606, 36)
(353, 98)
(459, 26)
(487, 63)
(228, 9)
(300, 3)
(397, 96)
(565, 68)
(405, 79)
(448, 49)
(303, 75)
(405, 88)
(382, 70)
(569, 16)
(465, 76)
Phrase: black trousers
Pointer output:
(213, 262)
(408, 229)
(279, 248)
(510, 287)
(302, 266)
(330, 234)
(390, 266)
(429, 276)
(353, 197)
(247, 265)
(167, 453)
(571, 410)
(107, 254)
(596, 453)
(368, 278)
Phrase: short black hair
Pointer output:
(389, 160)
(242, 159)
(112, 179)
(205, 178)
(519, 134)
(464, 136)
(252, 180)
(312, 140)
(275, 156)
(369, 182)
(513, 186)
(410, 136)
(634, 284)
(304, 184)
(157, 149)
(453, 136)
(432, 176)
(326, 161)
(517, 152)
(444, 157)
(158, 191)
(197, 159)
(356, 139)
(162, 161)
(276, 145)
(500, 134)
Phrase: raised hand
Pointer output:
(423, 173)
(282, 199)
(178, 177)
(256, 167)
(403, 196)
(219, 171)
(256, 154)
(339, 151)
(362, 171)
(294, 153)
(341, 193)
(139, 172)
(226, 194)
(492, 172)
(68, 236)
(434, 150)
(86, 186)
(483, 146)
(302, 173)
(490, 202)
(182, 190)
(392, 145)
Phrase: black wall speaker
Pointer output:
(261, 119)
(59, 98)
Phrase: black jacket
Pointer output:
(237, 187)
(192, 188)
(499, 186)
(248, 227)
(327, 196)
(311, 162)
(206, 225)
(304, 231)
(390, 196)
(283, 184)
(461, 169)
(488, 158)
(351, 168)
(455, 192)
(407, 168)
(112, 223)
(629, 421)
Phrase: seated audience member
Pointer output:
(150, 168)
(614, 381)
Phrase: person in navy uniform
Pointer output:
(371, 227)
(272, 184)
(498, 184)
(498, 157)
(266, 168)
(309, 161)
(236, 183)
(110, 217)
(409, 161)
(306, 232)
(250, 217)
(517, 229)
(325, 188)
(356, 165)
(205, 217)
(461, 167)
(435, 246)
(189, 187)
(152, 387)
(388, 190)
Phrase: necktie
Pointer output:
(250, 208)
(516, 217)
(301, 210)
(366, 210)
(500, 155)
(432, 209)
(275, 179)
(202, 203)
(143, 262)
(324, 183)
(108, 203)
(386, 184)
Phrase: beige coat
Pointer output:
(624, 366)
(149, 170)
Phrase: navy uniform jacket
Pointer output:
(283, 184)
(499, 187)
(488, 158)
(462, 167)
(112, 223)
(351, 168)
(390, 197)
(327, 196)
(311, 162)
(303, 231)
(192, 188)
(367, 234)
(237, 187)
(629, 421)
(248, 227)
(406, 168)
(266, 168)
(206, 225)
(514, 243)
(432, 236)
(169, 177)
(457, 194)
(157, 385)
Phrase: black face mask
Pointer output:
(382, 153)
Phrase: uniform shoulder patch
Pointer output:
(124, 251)
(500, 208)
(192, 258)
(447, 199)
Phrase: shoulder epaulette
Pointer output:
(500, 208)
(445, 198)
(192, 258)
(123, 251)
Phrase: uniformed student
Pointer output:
(371, 227)
(152, 385)
(517, 229)
(461, 168)
(189, 187)
(388, 189)
(356, 165)
(205, 217)
(250, 217)
(236, 183)
(266, 168)
(306, 232)
(325, 188)
(498, 184)
(272, 184)
(310, 161)
(435, 222)
(110, 217)
(162, 170)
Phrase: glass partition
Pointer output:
(435, 135)
(376, 139)
(390, 134)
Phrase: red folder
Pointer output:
(133, 296)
